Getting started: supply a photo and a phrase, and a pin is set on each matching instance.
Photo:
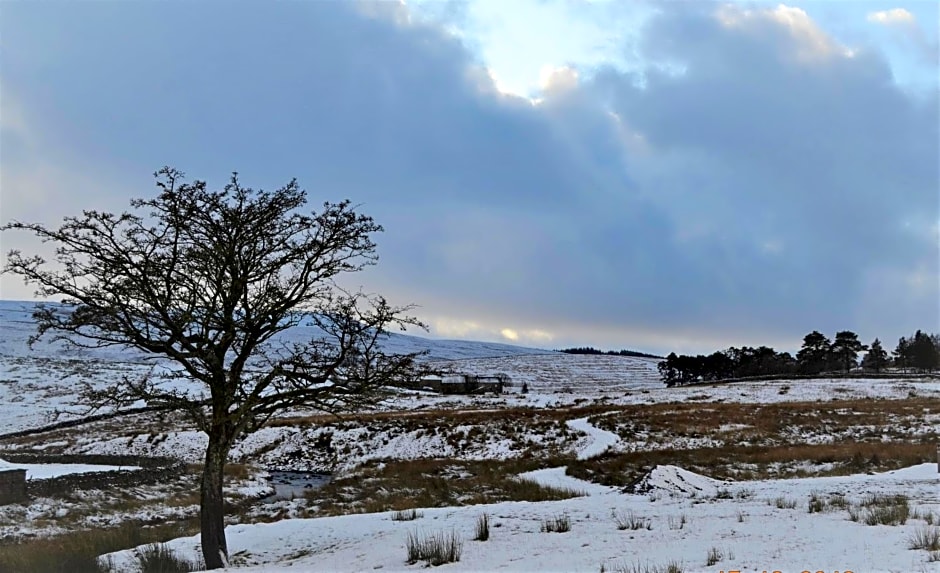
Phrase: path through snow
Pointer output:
(556, 477)
(601, 440)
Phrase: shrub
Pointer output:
(435, 549)
(556, 524)
(483, 528)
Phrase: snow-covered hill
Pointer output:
(16, 324)
(38, 385)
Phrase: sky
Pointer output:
(660, 176)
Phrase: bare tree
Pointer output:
(214, 280)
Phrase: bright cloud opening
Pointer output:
(813, 42)
(455, 328)
(893, 16)
(558, 79)
(509, 334)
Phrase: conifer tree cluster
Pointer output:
(818, 355)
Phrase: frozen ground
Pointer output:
(38, 385)
(679, 517)
(751, 524)
(46, 471)
(744, 526)
(599, 441)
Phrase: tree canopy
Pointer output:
(214, 281)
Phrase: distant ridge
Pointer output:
(16, 324)
(590, 350)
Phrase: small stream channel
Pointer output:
(288, 485)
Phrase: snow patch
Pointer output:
(600, 440)
(47, 471)
(557, 478)
(675, 480)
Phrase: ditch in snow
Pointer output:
(291, 484)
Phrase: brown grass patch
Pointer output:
(768, 423)
(753, 462)
(232, 470)
(402, 485)
(77, 551)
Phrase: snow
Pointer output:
(689, 514)
(37, 385)
(46, 471)
(556, 477)
(675, 480)
(600, 440)
(752, 534)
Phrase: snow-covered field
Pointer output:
(752, 525)
(46, 471)
(38, 386)
(681, 518)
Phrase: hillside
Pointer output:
(17, 326)
(598, 427)
(38, 384)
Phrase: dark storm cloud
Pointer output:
(759, 192)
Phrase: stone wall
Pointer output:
(12, 486)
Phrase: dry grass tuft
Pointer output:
(79, 551)
(158, 558)
(482, 528)
(406, 515)
(434, 549)
(556, 524)
(927, 537)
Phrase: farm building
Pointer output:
(466, 384)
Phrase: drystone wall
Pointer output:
(153, 470)
(12, 486)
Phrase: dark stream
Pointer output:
(288, 485)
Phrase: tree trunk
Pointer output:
(212, 516)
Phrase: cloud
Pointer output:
(891, 17)
(748, 184)
(509, 334)
(809, 41)
(909, 35)
(456, 328)
(558, 79)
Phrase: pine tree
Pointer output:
(924, 353)
(845, 349)
(902, 353)
(877, 357)
(813, 357)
